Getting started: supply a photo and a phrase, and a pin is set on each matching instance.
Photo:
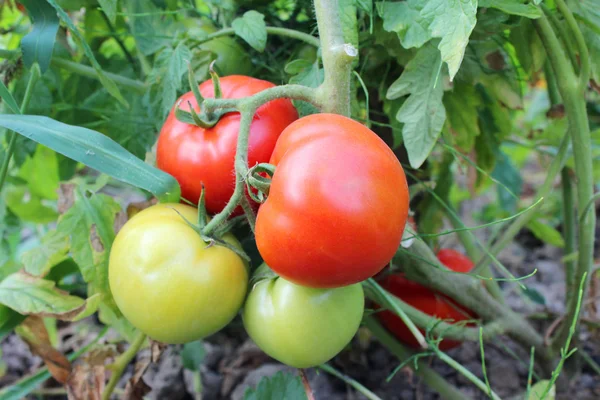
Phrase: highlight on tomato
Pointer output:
(300, 326)
(337, 205)
(426, 300)
(198, 156)
(168, 283)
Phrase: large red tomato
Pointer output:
(196, 156)
(425, 300)
(337, 205)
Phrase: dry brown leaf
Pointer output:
(156, 350)
(95, 240)
(66, 197)
(86, 382)
(136, 388)
(34, 333)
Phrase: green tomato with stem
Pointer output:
(300, 326)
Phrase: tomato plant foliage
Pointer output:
(442, 102)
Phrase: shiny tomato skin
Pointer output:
(425, 300)
(300, 326)
(168, 283)
(337, 204)
(194, 155)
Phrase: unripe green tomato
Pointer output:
(300, 326)
(168, 283)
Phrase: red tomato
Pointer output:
(425, 300)
(337, 205)
(195, 155)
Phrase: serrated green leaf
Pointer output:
(52, 250)
(108, 83)
(546, 233)
(30, 295)
(94, 150)
(37, 45)
(452, 21)
(461, 107)
(110, 9)
(192, 355)
(8, 99)
(150, 28)
(280, 386)
(28, 206)
(406, 20)
(252, 28)
(176, 69)
(513, 7)
(423, 113)
(538, 390)
(347, 13)
(41, 173)
(306, 74)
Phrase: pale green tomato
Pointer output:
(300, 326)
(168, 283)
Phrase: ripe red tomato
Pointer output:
(195, 155)
(425, 300)
(337, 205)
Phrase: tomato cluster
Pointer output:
(334, 216)
(426, 300)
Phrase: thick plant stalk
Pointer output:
(334, 93)
(572, 94)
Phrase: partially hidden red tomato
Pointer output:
(196, 156)
(337, 204)
(426, 300)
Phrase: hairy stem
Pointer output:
(572, 94)
(122, 363)
(12, 136)
(334, 93)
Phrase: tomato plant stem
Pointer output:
(572, 93)
(271, 30)
(584, 57)
(420, 368)
(334, 93)
(309, 393)
(467, 374)
(569, 228)
(121, 363)
(34, 75)
(352, 382)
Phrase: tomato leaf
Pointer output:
(508, 175)
(37, 45)
(150, 27)
(546, 233)
(28, 206)
(192, 355)
(279, 386)
(418, 21)
(110, 9)
(347, 13)
(514, 7)
(534, 295)
(94, 150)
(53, 249)
(423, 113)
(41, 173)
(461, 106)
(27, 294)
(252, 28)
(108, 83)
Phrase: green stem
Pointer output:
(353, 383)
(295, 92)
(553, 92)
(241, 168)
(120, 42)
(569, 231)
(575, 108)
(334, 93)
(557, 25)
(12, 138)
(271, 30)
(430, 377)
(121, 363)
(584, 57)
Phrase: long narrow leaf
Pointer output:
(8, 99)
(94, 150)
(37, 45)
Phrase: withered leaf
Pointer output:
(66, 197)
(86, 382)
